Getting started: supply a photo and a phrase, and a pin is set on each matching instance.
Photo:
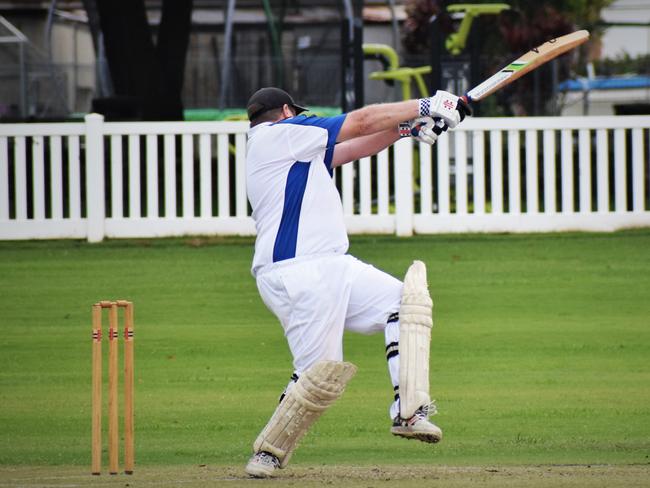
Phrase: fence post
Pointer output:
(404, 187)
(95, 198)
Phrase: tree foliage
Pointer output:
(622, 65)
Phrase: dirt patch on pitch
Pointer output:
(416, 476)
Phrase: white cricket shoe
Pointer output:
(418, 426)
(262, 465)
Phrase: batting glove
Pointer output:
(423, 129)
(445, 105)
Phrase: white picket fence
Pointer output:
(99, 179)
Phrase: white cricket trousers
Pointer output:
(316, 298)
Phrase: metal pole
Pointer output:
(348, 102)
(394, 26)
(75, 72)
(104, 80)
(396, 43)
(555, 76)
(276, 46)
(23, 79)
(357, 55)
(48, 29)
(225, 67)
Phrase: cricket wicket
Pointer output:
(97, 372)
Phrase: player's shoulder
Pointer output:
(313, 121)
(305, 120)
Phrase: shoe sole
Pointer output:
(420, 436)
(259, 472)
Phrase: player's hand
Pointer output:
(426, 129)
(445, 105)
(463, 108)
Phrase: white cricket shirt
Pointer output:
(296, 206)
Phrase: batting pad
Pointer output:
(316, 389)
(415, 316)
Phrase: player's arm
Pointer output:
(423, 129)
(361, 147)
(373, 119)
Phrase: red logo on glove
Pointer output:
(448, 104)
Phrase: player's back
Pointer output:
(296, 206)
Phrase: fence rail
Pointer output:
(101, 179)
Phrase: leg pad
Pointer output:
(415, 340)
(316, 389)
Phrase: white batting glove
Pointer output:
(423, 129)
(445, 105)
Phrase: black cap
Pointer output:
(268, 99)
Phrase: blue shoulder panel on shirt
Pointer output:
(287, 237)
(331, 124)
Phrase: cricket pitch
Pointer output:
(569, 476)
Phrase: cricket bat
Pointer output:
(526, 63)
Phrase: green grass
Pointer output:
(540, 352)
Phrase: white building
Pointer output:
(620, 39)
(625, 34)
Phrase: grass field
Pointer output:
(540, 357)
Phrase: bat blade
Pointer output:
(526, 63)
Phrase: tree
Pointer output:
(147, 77)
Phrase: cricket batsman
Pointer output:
(305, 276)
